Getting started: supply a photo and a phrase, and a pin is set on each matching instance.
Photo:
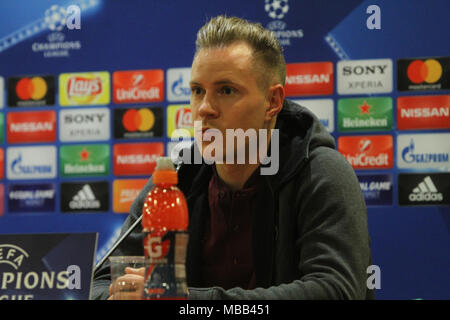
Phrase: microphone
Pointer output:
(122, 238)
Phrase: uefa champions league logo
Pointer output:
(276, 9)
(57, 17)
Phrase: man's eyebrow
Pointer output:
(218, 82)
(224, 81)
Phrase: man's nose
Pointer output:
(207, 110)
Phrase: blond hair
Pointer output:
(222, 31)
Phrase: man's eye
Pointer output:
(196, 90)
(227, 90)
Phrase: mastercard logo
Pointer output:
(31, 88)
(428, 71)
(138, 120)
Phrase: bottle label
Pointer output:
(165, 276)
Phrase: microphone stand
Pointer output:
(118, 242)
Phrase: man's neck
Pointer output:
(235, 175)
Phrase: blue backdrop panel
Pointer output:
(411, 244)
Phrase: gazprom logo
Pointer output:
(409, 156)
(31, 162)
(18, 168)
(178, 84)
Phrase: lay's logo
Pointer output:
(180, 117)
(84, 88)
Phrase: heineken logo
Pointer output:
(365, 114)
(84, 160)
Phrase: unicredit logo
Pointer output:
(364, 145)
(363, 160)
(429, 71)
(138, 86)
(82, 86)
(374, 152)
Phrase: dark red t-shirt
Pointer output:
(227, 243)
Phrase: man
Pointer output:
(300, 233)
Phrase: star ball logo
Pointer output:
(31, 91)
(276, 9)
(424, 74)
(138, 123)
(57, 17)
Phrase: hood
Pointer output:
(300, 133)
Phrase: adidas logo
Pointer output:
(84, 199)
(426, 191)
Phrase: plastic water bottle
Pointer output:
(165, 221)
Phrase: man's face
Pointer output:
(225, 93)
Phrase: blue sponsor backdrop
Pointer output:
(36, 197)
(377, 189)
(410, 244)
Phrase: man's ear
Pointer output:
(275, 99)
